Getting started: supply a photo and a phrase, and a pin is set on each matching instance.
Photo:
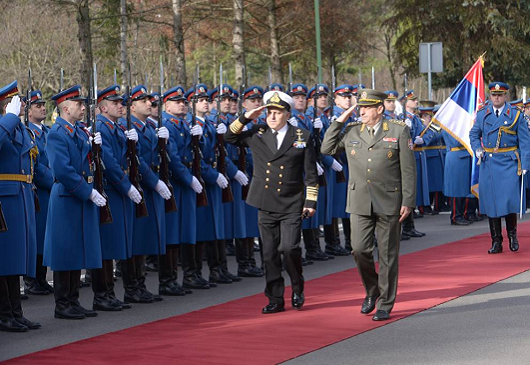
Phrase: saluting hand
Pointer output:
(254, 113)
(403, 213)
(344, 116)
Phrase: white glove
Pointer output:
(320, 170)
(408, 122)
(134, 195)
(162, 132)
(196, 130)
(14, 106)
(294, 122)
(245, 128)
(132, 135)
(241, 178)
(162, 189)
(317, 123)
(96, 139)
(479, 153)
(418, 140)
(196, 185)
(97, 198)
(221, 181)
(336, 166)
(524, 172)
(221, 128)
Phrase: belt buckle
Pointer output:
(90, 179)
(29, 179)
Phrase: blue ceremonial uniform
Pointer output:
(116, 237)
(43, 181)
(435, 162)
(422, 186)
(72, 239)
(18, 245)
(149, 237)
(457, 169)
(499, 179)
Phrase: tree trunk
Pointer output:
(276, 65)
(238, 41)
(123, 41)
(178, 38)
(85, 42)
(388, 44)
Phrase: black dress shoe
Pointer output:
(234, 278)
(273, 308)
(249, 272)
(118, 302)
(316, 256)
(306, 262)
(36, 289)
(460, 222)
(368, 304)
(68, 313)
(416, 215)
(405, 237)
(472, 218)
(194, 283)
(10, 325)
(413, 233)
(46, 286)
(381, 315)
(30, 324)
(336, 251)
(219, 278)
(185, 290)
(496, 247)
(135, 296)
(170, 290)
(87, 312)
(298, 301)
(106, 305)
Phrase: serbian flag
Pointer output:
(457, 114)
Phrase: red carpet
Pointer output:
(211, 336)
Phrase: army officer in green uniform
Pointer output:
(381, 193)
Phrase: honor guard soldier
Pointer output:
(44, 182)
(390, 104)
(72, 240)
(116, 237)
(381, 193)
(18, 245)
(182, 229)
(420, 136)
(284, 162)
(501, 141)
(149, 235)
(210, 231)
(435, 159)
(310, 226)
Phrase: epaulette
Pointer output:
(398, 122)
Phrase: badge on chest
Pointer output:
(299, 143)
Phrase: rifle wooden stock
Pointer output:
(105, 215)
(202, 198)
(36, 198)
(171, 204)
(3, 223)
(228, 197)
(242, 166)
(134, 177)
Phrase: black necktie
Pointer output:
(275, 135)
(497, 113)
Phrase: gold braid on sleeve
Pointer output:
(311, 193)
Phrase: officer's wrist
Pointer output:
(244, 120)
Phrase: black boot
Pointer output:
(75, 285)
(7, 321)
(312, 246)
(496, 235)
(61, 289)
(166, 279)
(213, 256)
(223, 251)
(139, 265)
(13, 283)
(102, 290)
(511, 229)
(189, 268)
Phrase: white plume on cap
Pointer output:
(285, 97)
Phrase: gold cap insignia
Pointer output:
(275, 98)
(364, 95)
(497, 87)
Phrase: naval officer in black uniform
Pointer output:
(284, 163)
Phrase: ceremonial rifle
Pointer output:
(242, 161)
(228, 197)
(105, 215)
(316, 136)
(202, 198)
(134, 162)
(26, 123)
(340, 174)
(170, 204)
(3, 223)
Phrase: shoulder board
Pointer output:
(152, 123)
(138, 125)
(398, 122)
(123, 127)
(37, 132)
(110, 125)
(175, 121)
(69, 129)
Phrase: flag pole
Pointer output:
(522, 191)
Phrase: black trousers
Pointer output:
(280, 233)
(10, 304)
(457, 208)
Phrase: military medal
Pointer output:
(389, 154)
(353, 152)
(410, 144)
(300, 143)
